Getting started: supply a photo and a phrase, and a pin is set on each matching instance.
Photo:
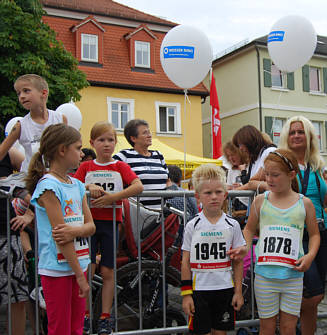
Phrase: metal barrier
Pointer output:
(140, 273)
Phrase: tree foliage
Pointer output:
(27, 45)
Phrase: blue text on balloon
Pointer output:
(178, 51)
(277, 35)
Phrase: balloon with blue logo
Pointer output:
(10, 124)
(186, 56)
(291, 42)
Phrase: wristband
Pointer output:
(186, 287)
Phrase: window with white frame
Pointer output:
(89, 48)
(168, 118)
(120, 111)
(278, 79)
(315, 79)
(277, 126)
(142, 54)
(317, 125)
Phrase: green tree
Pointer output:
(27, 45)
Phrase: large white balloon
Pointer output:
(291, 42)
(186, 56)
(10, 124)
(72, 113)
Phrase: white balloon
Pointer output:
(10, 124)
(186, 56)
(72, 113)
(291, 42)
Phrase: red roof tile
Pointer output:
(116, 69)
(108, 8)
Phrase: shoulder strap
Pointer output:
(304, 181)
(318, 185)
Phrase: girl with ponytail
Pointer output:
(63, 223)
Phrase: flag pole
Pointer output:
(211, 128)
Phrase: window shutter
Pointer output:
(290, 81)
(268, 126)
(305, 78)
(267, 72)
(325, 79)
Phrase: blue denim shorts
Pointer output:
(314, 277)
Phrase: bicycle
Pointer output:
(151, 276)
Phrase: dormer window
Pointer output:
(89, 49)
(142, 54)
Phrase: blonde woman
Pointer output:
(298, 135)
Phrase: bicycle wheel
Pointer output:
(174, 318)
(128, 295)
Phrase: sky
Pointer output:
(229, 22)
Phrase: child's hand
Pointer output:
(188, 305)
(237, 301)
(20, 222)
(104, 200)
(237, 254)
(303, 263)
(63, 234)
(95, 191)
(84, 287)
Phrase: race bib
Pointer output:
(209, 251)
(80, 243)
(110, 181)
(279, 245)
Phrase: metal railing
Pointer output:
(160, 330)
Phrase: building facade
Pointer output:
(118, 48)
(252, 90)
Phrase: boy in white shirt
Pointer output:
(211, 281)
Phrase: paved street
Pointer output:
(322, 324)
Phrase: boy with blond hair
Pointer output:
(32, 91)
(211, 281)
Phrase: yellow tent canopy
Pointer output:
(172, 156)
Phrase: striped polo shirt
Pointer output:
(152, 171)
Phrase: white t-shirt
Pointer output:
(215, 280)
(260, 160)
(30, 134)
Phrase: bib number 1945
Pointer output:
(204, 251)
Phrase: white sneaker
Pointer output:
(14, 184)
(41, 297)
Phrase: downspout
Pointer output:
(259, 87)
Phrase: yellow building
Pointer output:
(118, 48)
(251, 90)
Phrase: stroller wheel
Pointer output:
(242, 331)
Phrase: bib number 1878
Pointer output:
(274, 244)
(205, 251)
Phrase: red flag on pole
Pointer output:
(215, 120)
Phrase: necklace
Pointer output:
(65, 178)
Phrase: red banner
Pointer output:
(215, 118)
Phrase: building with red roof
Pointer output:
(118, 48)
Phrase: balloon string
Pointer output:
(185, 98)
